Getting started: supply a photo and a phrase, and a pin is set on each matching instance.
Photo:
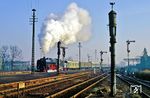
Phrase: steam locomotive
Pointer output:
(46, 65)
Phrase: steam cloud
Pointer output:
(72, 27)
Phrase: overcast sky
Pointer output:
(133, 23)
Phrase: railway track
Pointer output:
(133, 81)
(77, 90)
(11, 89)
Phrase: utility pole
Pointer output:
(33, 39)
(101, 58)
(95, 55)
(79, 55)
(58, 54)
(112, 31)
(88, 56)
(128, 50)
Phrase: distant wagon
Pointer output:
(75, 65)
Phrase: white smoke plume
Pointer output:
(72, 27)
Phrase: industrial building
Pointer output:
(144, 63)
(17, 66)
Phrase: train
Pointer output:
(50, 65)
(46, 65)
(75, 65)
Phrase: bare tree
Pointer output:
(15, 53)
(4, 53)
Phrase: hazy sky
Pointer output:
(133, 21)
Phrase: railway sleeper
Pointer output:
(74, 89)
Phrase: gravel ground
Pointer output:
(102, 90)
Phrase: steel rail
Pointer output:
(68, 90)
(4, 88)
(89, 87)
(29, 89)
(128, 81)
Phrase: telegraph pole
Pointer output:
(33, 40)
(112, 31)
(79, 55)
(88, 56)
(95, 55)
(101, 58)
(128, 50)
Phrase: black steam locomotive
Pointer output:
(46, 65)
